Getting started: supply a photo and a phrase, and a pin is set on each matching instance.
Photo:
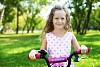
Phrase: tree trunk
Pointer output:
(83, 29)
(99, 26)
(17, 20)
(88, 16)
(28, 30)
(33, 29)
(2, 17)
(78, 28)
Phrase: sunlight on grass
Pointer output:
(94, 43)
(16, 50)
(90, 62)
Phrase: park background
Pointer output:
(21, 22)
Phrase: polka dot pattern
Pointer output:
(59, 46)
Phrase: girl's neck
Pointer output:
(59, 32)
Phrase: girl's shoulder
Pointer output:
(48, 34)
(69, 33)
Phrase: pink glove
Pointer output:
(32, 54)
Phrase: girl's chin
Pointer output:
(59, 27)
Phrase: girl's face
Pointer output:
(59, 19)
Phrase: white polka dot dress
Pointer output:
(59, 47)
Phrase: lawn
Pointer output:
(14, 49)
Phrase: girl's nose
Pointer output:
(60, 22)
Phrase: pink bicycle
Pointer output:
(43, 53)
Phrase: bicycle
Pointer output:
(42, 55)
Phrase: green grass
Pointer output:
(14, 49)
(92, 40)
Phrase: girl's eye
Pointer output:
(56, 18)
(62, 18)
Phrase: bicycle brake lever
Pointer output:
(43, 53)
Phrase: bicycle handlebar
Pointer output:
(61, 59)
(38, 56)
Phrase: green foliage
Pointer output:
(29, 13)
(95, 21)
(81, 14)
(29, 7)
(14, 49)
(41, 25)
(41, 2)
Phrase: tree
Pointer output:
(8, 13)
(86, 23)
(32, 11)
(95, 19)
(81, 14)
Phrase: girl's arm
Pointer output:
(74, 43)
(76, 46)
(44, 44)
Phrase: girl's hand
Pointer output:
(83, 49)
(32, 54)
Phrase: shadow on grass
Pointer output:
(14, 50)
(89, 38)
(19, 41)
(20, 60)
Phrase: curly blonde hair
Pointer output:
(49, 27)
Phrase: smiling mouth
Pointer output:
(59, 24)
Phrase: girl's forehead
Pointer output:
(59, 13)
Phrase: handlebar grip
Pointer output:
(38, 56)
(28, 56)
(79, 51)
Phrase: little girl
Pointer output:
(57, 37)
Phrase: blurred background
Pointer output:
(29, 15)
(21, 22)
